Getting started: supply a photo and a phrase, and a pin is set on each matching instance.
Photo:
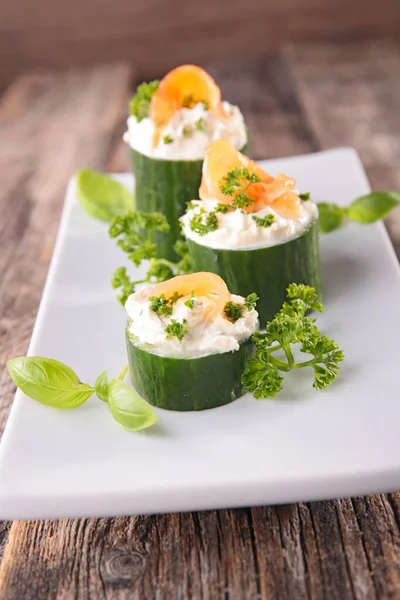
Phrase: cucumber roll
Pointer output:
(252, 229)
(170, 126)
(188, 340)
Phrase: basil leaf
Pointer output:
(127, 408)
(101, 386)
(373, 207)
(101, 196)
(48, 381)
(330, 216)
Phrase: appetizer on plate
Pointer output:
(170, 125)
(254, 230)
(188, 340)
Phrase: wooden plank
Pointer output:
(342, 549)
(50, 126)
(350, 96)
(156, 35)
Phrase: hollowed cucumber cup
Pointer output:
(166, 186)
(266, 271)
(186, 384)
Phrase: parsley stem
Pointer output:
(279, 364)
(168, 262)
(275, 348)
(306, 363)
(289, 355)
(139, 281)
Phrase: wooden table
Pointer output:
(300, 100)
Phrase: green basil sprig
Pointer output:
(48, 381)
(101, 386)
(128, 409)
(331, 216)
(365, 209)
(54, 384)
(101, 196)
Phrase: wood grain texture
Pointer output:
(157, 34)
(345, 549)
(350, 97)
(50, 126)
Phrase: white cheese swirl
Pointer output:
(190, 129)
(238, 230)
(204, 337)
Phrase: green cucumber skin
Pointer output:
(265, 271)
(188, 384)
(166, 186)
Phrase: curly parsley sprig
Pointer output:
(290, 327)
(133, 232)
(236, 184)
(139, 106)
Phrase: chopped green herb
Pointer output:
(203, 224)
(233, 180)
(186, 130)
(222, 208)
(175, 297)
(167, 139)
(236, 184)
(290, 327)
(264, 221)
(188, 101)
(190, 301)
(140, 103)
(234, 311)
(160, 305)
(200, 124)
(176, 329)
(306, 196)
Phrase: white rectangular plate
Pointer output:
(304, 445)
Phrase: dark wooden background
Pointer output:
(159, 34)
(299, 99)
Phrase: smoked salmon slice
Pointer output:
(210, 285)
(277, 192)
(184, 86)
